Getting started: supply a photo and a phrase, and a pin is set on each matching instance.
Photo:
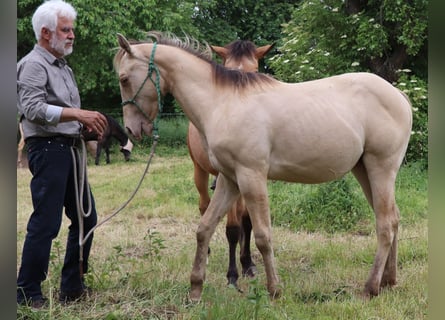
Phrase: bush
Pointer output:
(333, 207)
(337, 206)
(417, 91)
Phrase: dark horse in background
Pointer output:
(115, 130)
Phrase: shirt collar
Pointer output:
(49, 57)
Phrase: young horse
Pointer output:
(257, 128)
(113, 130)
(242, 55)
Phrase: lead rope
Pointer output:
(82, 171)
(81, 179)
(81, 174)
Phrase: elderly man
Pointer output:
(49, 103)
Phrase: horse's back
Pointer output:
(318, 130)
(361, 106)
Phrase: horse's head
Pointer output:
(139, 96)
(242, 55)
(140, 99)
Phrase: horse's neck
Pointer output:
(118, 132)
(188, 73)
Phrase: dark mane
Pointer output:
(223, 76)
(239, 79)
(241, 48)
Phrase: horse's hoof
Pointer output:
(232, 281)
(364, 296)
(275, 293)
(250, 272)
(195, 295)
(388, 283)
(371, 290)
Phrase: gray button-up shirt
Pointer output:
(46, 84)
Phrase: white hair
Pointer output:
(47, 14)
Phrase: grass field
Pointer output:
(141, 260)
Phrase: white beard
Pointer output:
(59, 45)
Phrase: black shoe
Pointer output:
(73, 296)
(36, 303)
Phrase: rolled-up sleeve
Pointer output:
(53, 114)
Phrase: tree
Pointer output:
(96, 26)
(221, 22)
(327, 37)
(98, 21)
(386, 37)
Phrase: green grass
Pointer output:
(141, 260)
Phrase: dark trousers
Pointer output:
(52, 189)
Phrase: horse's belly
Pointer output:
(316, 165)
(307, 174)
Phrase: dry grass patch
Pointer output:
(141, 260)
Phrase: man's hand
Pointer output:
(93, 121)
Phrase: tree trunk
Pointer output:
(387, 67)
(355, 6)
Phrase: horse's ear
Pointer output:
(262, 51)
(123, 43)
(220, 51)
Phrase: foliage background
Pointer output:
(313, 39)
(388, 38)
(302, 30)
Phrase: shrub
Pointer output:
(417, 91)
(337, 206)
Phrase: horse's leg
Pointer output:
(361, 175)
(107, 155)
(249, 268)
(226, 194)
(98, 151)
(382, 184)
(245, 228)
(389, 277)
(389, 273)
(233, 233)
(238, 230)
(213, 185)
(201, 178)
(253, 188)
